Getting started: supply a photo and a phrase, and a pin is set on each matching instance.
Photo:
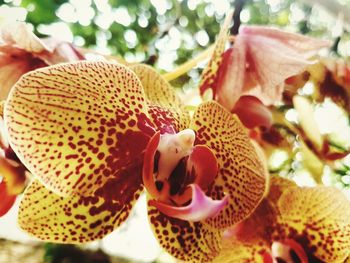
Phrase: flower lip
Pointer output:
(200, 208)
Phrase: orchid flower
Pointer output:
(249, 76)
(95, 134)
(22, 51)
(292, 224)
(332, 77)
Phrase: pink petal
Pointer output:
(303, 45)
(19, 35)
(200, 208)
(61, 52)
(275, 55)
(252, 112)
(231, 75)
(259, 62)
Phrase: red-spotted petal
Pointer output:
(210, 73)
(241, 174)
(314, 222)
(318, 218)
(78, 126)
(73, 219)
(200, 208)
(250, 240)
(234, 251)
(165, 108)
(188, 241)
(7, 200)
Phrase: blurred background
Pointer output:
(164, 34)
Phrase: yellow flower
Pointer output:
(292, 224)
(95, 134)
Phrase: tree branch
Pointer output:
(238, 7)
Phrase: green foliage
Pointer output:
(151, 23)
(148, 34)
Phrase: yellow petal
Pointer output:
(248, 240)
(188, 241)
(320, 218)
(2, 105)
(210, 72)
(307, 121)
(234, 251)
(76, 125)
(311, 162)
(165, 107)
(73, 219)
(242, 175)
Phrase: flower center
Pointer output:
(172, 148)
(172, 162)
(288, 251)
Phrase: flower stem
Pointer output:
(187, 66)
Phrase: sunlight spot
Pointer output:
(104, 20)
(131, 38)
(277, 159)
(142, 21)
(160, 5)
(308, 89)
(297, 14)
(221, 6)
(121, 16)
(67, 13)
(209, 10)
(292, 115)
(202, 38)
(59, 30)
(183, 21)
(102, 5)
(9, 14)
(245, 15)
(274, 5)
(79, 41)
(192, 4)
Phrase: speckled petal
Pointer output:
(72, 219)
(241, 173)
(209, 75)
(75, 126)
(165, 108)
(319, 219)
(249, 240)
(234, 251)
(194, 242)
